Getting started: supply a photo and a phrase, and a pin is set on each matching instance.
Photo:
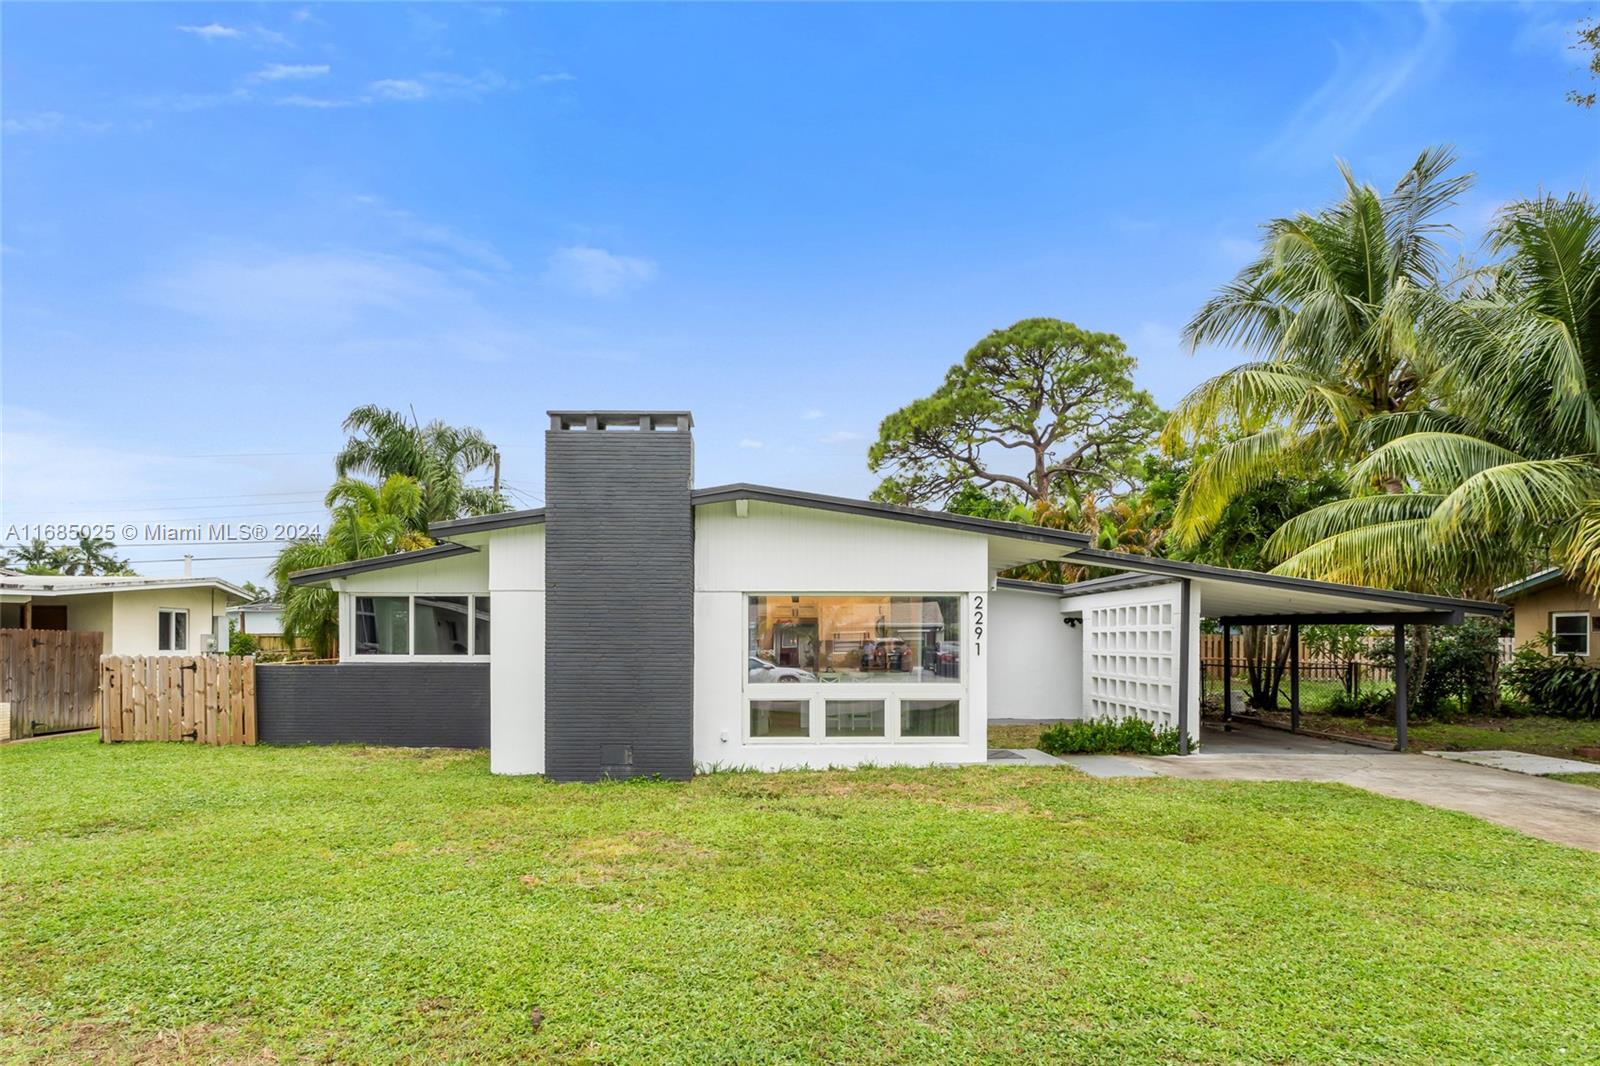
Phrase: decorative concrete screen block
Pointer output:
(1132, 650)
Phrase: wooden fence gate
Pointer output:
(48, 679)
(209, 699)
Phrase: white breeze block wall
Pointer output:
(1131, 655)
(1036, 671)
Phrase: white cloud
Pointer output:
(213, 31)
(291, 71)
(399, 89)
(315, 102)
(54, 122)
(405, 224)
(1363, 81)
(751, 443)
(551, 79)
(813, 413)
(597, 272)
(841, 436)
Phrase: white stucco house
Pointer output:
(643, 626)
(136, 615)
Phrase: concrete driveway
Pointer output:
(1551, 810)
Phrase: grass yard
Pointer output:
(1537, 733)
(169, 902)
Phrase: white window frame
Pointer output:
(161, 615)
(410, 655)
(1588, 643)
(890, 693)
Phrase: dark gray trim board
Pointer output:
(483, 523)
(1548, 576)
(401, 704)
(1149, 565)
(382, 562)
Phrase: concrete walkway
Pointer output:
(1551, 810)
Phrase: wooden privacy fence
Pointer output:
(208, 699)
(49, 680)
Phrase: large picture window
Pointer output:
(891, 639)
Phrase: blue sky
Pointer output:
(226, 225)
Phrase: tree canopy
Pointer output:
(1042, 412)
(441, 458)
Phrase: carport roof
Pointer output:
(1244, 597)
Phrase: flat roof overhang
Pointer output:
(1245, 597)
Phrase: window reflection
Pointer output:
(895, 639)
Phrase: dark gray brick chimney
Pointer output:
(619, 608)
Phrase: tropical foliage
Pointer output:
(368, 521)
(441, 458)
(1500, 468)
(1330, 305)
(89, 556)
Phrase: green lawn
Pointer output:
(179, 903)
(1539, 734)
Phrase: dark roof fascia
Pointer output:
(482, 523)
(868, 509)
(1150, 565)
(1529, 583)
(381, 562)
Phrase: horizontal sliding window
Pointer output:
(930, 718)
(780, 718)
(422, 625)
(854, 718)
(892, 639)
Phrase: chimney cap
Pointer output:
(596, 420)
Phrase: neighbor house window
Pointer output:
(383, 625)
(172, 632)
(780, 718)
(1570, 634)
(440, 625)
(873, 639)
(854, 718)
(930, 718)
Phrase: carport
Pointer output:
(1140, 629)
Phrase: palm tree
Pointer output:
(38, 557)
(439, 456)
(368, 521)
(92, 555)
(1504, 473)
(1331, 304)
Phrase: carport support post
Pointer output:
(1400, 687)
(1294, 677)
(1227, 671)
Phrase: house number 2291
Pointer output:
(977, 625)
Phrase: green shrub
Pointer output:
(1564, 688)
(1128, 736)
(1368, 703)
(242, 643)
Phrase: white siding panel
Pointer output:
(1037, 660)
(456, 574)
(516, 683)
(516, 559)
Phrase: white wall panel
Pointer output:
(778, 549)
(516, 558)
(440, 577)
(516, 683)
(1037, 660)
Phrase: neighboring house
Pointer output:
(1551, 602)
(262, 620)
(636, 626)
(137, 615)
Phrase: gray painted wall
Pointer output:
(412, 705)
(619, 608)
